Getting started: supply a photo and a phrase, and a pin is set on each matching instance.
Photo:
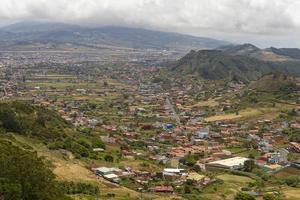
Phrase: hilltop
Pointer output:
(269, 54)
(215, 64)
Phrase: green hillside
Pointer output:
(47, 127)
(23, 175)
(23, 118)
(270, 89)
(217, 65)
(275, 83)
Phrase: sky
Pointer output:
(261, 22)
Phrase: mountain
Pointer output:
(289, 52)
(269, 54)
(218, 64)
(35, 32)
(30, 27)
(244, 49)
(215, 64)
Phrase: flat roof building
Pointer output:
(230, 163)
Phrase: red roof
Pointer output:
(163, 189)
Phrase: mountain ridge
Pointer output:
(266, 54)
(108, 35)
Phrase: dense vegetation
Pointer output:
(48, 127)
(25, 119)
(23, 175)
(293, 134)
(80, 188)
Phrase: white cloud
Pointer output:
(223, 18)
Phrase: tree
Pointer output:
(249, 165)
(105, 83)
(108, 158)
(243, 196)
(187, 189)
(10, 190)
(190, 160)
(24, 175)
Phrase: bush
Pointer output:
(293, 181)
(243, 196)
(249, 165)
(80, 188)
(270, 197)
(108, 158)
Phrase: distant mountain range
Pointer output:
(240, 62)
(108, 36)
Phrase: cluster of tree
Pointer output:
(23, 175)
(191, 159)
(243, 196)
(246, 196)
(249, 165)
(47, 126)
(293, 134)
(293, 181)
(80, 188)
(23, 118)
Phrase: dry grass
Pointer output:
(292, 193)
(288, 171)
(239, 180)
(264, 112)
(70, 169)
(208, 103)
(226, 191)
(135, 164)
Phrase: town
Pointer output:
(167, 137)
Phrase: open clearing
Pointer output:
(226, 191)
(266, 112)
(207, 103)
(291, 193)
(288, 171)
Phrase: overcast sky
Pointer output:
(262, 22)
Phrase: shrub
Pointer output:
(243, 196)
(80, 188)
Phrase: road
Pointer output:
(173, 113)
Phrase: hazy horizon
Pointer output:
(258, 22)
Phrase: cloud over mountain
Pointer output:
(229, 18)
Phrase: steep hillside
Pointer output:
(23, 175)
(47, 127)
(25, 119)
